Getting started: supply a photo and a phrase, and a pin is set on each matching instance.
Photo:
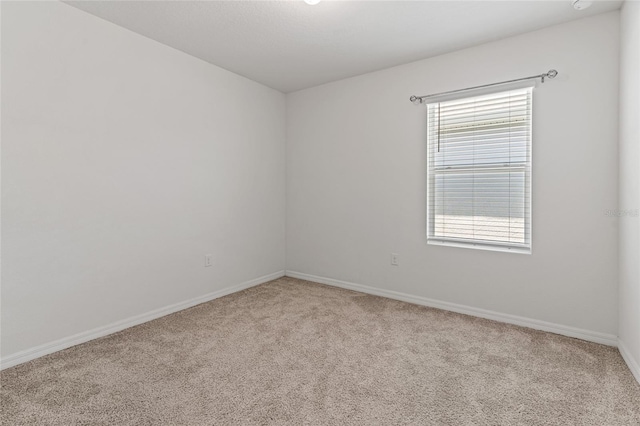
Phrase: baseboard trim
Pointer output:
(67, 342)
(588, 335)
(632, 363)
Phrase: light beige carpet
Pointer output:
(294, 352)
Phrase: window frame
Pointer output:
(511, 247)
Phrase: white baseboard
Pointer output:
(67, 342)
(76, 339)
(591, 336)
(633, 364)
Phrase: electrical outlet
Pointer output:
(208, 260)
(395, 259)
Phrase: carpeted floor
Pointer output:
(294, 352)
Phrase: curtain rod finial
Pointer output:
(549, 74)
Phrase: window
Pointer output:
(479, 171)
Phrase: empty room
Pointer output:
(320, 212)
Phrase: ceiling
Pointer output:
(289, 45)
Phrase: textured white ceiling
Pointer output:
(289, 45)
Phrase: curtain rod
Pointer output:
(549, 74)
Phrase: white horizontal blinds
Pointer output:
(479, 169)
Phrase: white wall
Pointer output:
(356, 180)
(124, 162)
(629, 323)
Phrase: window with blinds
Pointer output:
(479, 171)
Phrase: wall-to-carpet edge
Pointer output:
(69, 341)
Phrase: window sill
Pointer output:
(480, 246)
